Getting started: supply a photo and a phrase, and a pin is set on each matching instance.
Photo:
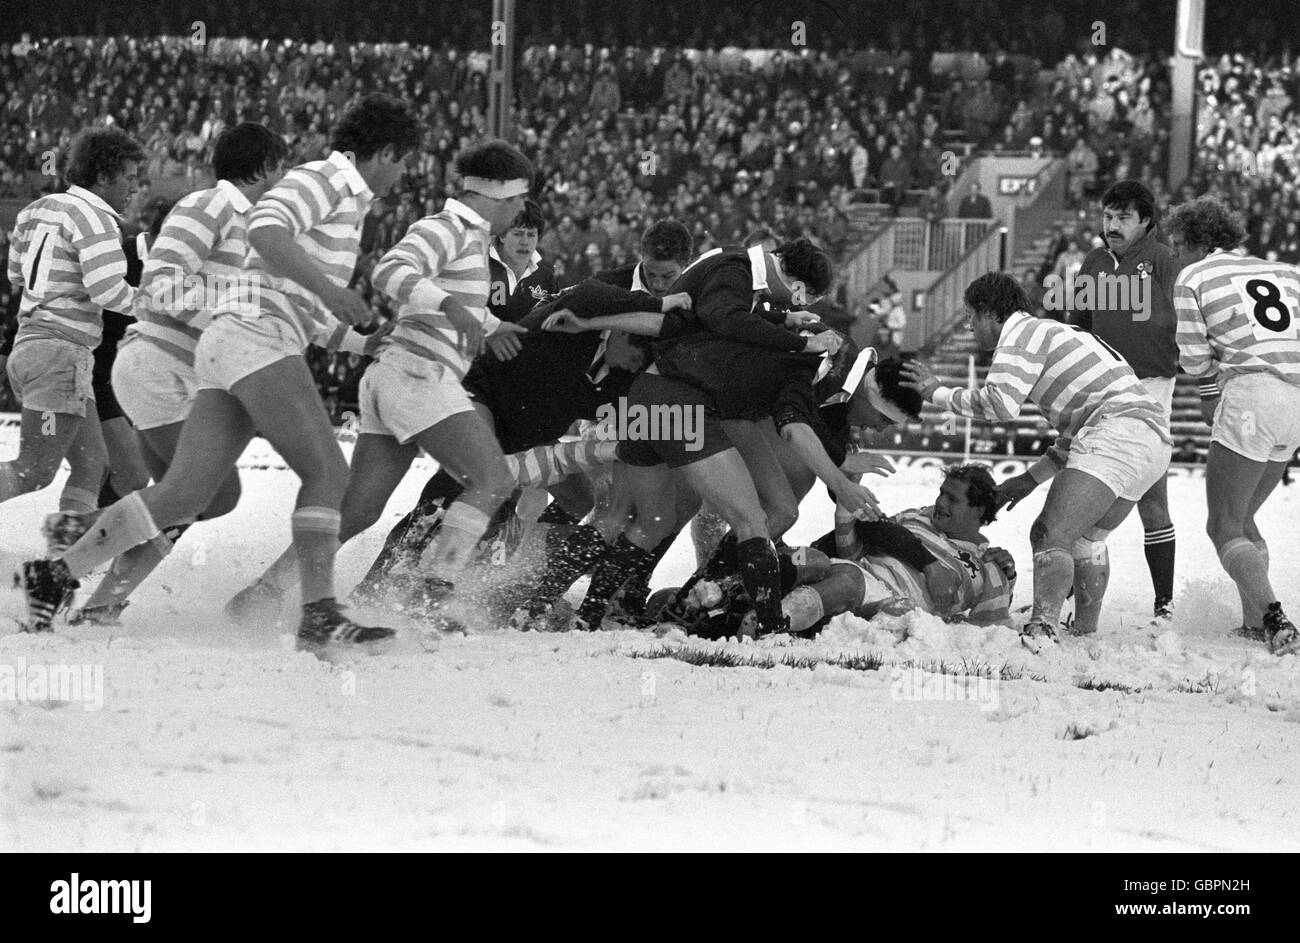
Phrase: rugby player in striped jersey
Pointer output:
(304, 238)
(934, 559)
(412, 398)
(66, 259)
(1113, 441)
(1239, 333)
(198, 252)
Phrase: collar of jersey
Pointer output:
(351, 176)
(81, 193)
(237, 199)
(454, 205)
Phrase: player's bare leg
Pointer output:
(157, 447)
(1234, 485)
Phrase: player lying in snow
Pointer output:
(934, 559)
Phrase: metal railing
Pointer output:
(871, 264)
(943, 303)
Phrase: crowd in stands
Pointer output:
(729, 142)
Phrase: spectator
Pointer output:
(1187, 452)
(974, 205)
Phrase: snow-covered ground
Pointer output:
(192, 734)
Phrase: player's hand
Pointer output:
(347, 305)
(825, 342)
(373, 340)
(801, 319)
(1003, 560)
(1208, 408)
(944, 586)
(867, 463)
(506, 341)
(678, 299)
(468, 328)
(565, 322)
(858, 501)
(919, 377)
(1012, 491)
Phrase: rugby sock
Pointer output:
(707, 530)
(567, 558)
(1091, 576)
(452, 550)
(316, 540)
(804, 607)
(636, 590)
(126, 524)
(622, 562)
(438, 492)
(1053, 577)
(1159, 547)
(133, 567)
(78, 500)
(760, 571)
(1249, 570)
(1251, 615)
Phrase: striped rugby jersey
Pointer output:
(440, 255)
(198, 253)
(1074, 377)
(1238, 314)
(322, 204)
(985, 589)
(66, 257)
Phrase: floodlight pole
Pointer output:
(501, 79)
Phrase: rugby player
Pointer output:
(1113, 445)
(198, 252)
(304, 239)
(66, 259)
(934, 559)
(1239, 333)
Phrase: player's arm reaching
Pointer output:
(294, 205)
(408, 271)
(726, 306)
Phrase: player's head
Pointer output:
(1128, 211)
(764, 238)
(248, 154)
(518, 243)
(496, 177)
(967, 498)
(798, 273)
(1200, 226)
(379, 131)
(880, 400)
(990, 300)
(106, 162)
(666, 247)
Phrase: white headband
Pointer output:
(865, 358)
(882, 405)
(496, 189)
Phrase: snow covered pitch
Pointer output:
(179, 731)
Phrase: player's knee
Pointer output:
(1091, 547)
